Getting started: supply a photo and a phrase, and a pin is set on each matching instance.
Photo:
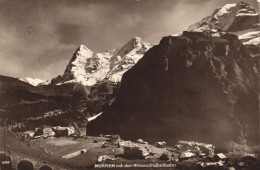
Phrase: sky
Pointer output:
(39, 37)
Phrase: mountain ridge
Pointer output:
(34, 81)
(230, 18)
(239, 19)
(89, 68)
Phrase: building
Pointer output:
(111, 138)
(48, 132)
(160, 144)
(136, 152)
(63, 131)
(202, 148)
(29, 134)
(44, 131)
(219, 156)
(38, 132)
(186, 155)
(122, 144)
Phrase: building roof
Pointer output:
(221, 156)
(187, 154)
(29, 132)
(63, 128)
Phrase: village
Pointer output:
(71, 145)
(111, 150)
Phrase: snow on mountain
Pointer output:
(34, 82)
(77, 65)
(228, 18)
(126, 58)
(239, 19)
(224, 10)
(89, 68)
(251, 38)
(221, 19)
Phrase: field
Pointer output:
(61, 142)
(17, 147)
(52, 150)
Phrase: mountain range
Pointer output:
(88, 68)
(202, 84)
(90, 82)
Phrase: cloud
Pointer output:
(36, 36)
(66, 31)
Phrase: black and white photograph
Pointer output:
(130, 84)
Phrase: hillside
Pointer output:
(24, 106)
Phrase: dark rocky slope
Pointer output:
(190, 87)
(24, 107)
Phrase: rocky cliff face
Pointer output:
(190, 87)
(88, 68)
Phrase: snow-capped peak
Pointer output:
(239, 19)
(126, 58)
(83, 47)
(231, 17)
(34, 81)
(135, 39)
(83, 50)
(76, 68)
(89, 68)
(135, 42)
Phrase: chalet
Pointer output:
(63, 131)
(45, 131)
